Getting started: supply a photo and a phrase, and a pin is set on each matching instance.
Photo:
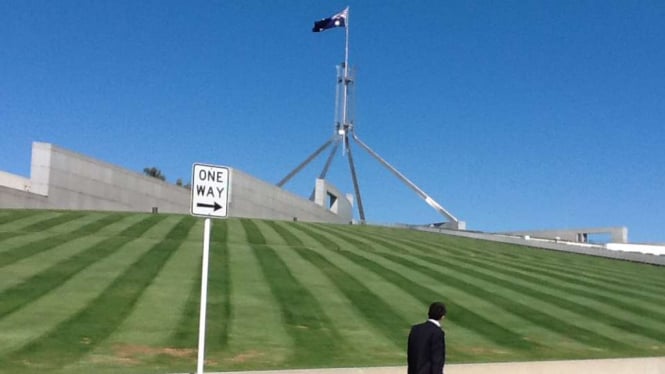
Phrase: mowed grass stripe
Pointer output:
(144, 335)
(357, 251)
(44, 235)
(20, 271)
(219, 306)
(570, 285)
(30, 227)
(257, 336)
(561, 302)
(614, 269)
(535, 316)
(343, 315)
(52, 222)
(538, 263)
(625, 286)
(406, 307)
(376, 311)
(16, 215)
(32, 248)
(252, 233)
(468, 343)
(631, 288)
(557, 283)
(84, 331)
(461, 316)
(305, 320)
(219, 280)
(603, 269)
(533, 286)
(218, 310)
(8, 235)
(289, 237)
(11, 216)
(644, 322)
(157, 312)
(10, 223)
(34, 287)
(271, 236)
(651, 276)
(442, 242)
(41, 315)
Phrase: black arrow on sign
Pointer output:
(215, 206)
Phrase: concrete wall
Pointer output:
(14, 181)
(19, 199)
(617, 234)
(254, 198)
(324, 192)
(62, 179)
(76, 182)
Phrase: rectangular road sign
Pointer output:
(210, 190)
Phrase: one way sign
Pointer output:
(210, 190)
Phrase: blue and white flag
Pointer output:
(338, 20)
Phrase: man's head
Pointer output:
(437, 310)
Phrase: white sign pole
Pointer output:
(204, 295)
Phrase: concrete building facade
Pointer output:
(616, 234)
(62, 179)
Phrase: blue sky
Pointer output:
(513, 115)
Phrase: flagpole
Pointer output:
(346, 69)
(346, 49)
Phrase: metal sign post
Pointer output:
(210, 198)
(204, 295)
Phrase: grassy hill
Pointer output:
(85, 292)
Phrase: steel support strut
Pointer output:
(431, 202)
(361, 210)
(324, 172)
(307, 161)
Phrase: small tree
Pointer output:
(180, 183)
(154, 172)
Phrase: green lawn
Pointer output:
(84, 292)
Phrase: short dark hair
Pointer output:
(437, 310)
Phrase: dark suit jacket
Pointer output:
(426, 351)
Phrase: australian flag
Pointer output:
(338, 20)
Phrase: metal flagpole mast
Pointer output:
(346, 68)
(344, 126)
(344, 80)
(347, 126)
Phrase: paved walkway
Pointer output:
(651, 365)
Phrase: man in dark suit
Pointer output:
(426, 351)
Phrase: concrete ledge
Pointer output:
(649, 365)
(654, 365)
(580, 248)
